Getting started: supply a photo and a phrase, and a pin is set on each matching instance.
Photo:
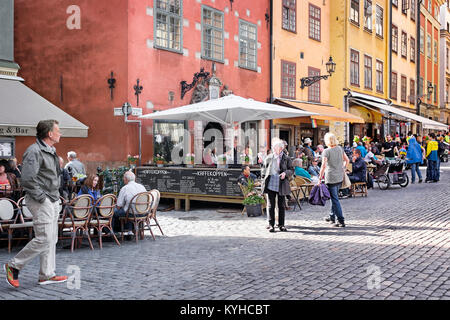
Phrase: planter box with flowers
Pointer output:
(253, 202)
(189, 160)
(245, 160)
(132, 160)
(159, 160)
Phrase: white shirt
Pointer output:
(127, 193)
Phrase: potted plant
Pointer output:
(159, 160)
(253, 202)
(189, 160)
(245, 159)
(132, 160)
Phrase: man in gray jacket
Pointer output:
(74, 166)
(40, 180)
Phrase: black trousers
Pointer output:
(281, 206)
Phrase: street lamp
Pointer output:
(430, 90)
(308, 81)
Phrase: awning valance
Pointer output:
(21, 109)
(383, 105)
(324, 112)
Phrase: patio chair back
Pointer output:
(156, 197)
(7, 208)
(142, 203)
(26, 213)
(82, 206)
(105, 205)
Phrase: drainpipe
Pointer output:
(390, 58)
(271, 69)
(419, 2)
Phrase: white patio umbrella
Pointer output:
(227, 110)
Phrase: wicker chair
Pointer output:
(9, 212)
(76, 219)
(152, 215)
(138, 211)
(102, 216)
(23, 221)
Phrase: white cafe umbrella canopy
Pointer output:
(227, 110)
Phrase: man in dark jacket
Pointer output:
(275, 174)
(359, 170)
(40, 180)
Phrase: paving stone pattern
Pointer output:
(395, 246)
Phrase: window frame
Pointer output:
(314, 19)
(429, 46)
(289, 6)
(379, 25)
(379, 75)
(404, 45)
(394, 95)
(241, 21)
(168, 16)
(355, 13)
(289, 76)
(314, 72)
(368, 17)
(403, 93)
(412, 90)
(412, 54)
(422, 41)
(394, 39)
(369, 70)
(413, 10)
(436, 52)
(203, 56)
(352, 64)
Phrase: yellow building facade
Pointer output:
(358, 35)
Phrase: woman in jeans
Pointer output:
(334, 162)
(414, 157)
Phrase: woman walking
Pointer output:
(334, 162)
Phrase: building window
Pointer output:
(435, 93)
(394, 85)
(394, 39)
(368, 15)
(289, 15)
(167, 28)
(428, 46)
(395, 3)
(367, 72)
(412, 55)
(354, 67)
(379, 21)
(428, 84)
(288, 77)
(404, 45)
(421, 41)
(247, 45)
(379, 79)
(314, 90)
(412, 88)
(403, 88)
(435, 52)
(212, 34)
(405, 6)
(413, 10)
(314, 22)
(354, 11)
(446, 58)
(429, 6)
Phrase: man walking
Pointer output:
(432, 159)
(40, 180)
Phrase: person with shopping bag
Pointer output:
(333, 167)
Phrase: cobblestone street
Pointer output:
(396, 246)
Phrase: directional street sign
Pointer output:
(118, 112)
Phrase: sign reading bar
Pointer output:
(17, 131)
(190, 181)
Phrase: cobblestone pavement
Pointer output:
(395, 246)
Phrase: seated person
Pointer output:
(371, 158)
(246, 175)
(64, 180)
(91, 187)
(299, 171)
(362, 149)
(8, 181)
(314, 169)
(128, 191)
(359, 170)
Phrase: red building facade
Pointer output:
(68, 53)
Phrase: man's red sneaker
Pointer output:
(55, 279)
(12, 275)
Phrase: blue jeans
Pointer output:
(414, 169)
(431, 171)
(336, 209)
(438, 169)
(116, 222)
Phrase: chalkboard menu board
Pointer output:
(190, 181)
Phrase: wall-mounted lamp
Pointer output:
(308, 81)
